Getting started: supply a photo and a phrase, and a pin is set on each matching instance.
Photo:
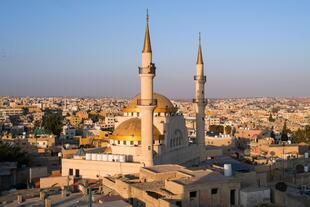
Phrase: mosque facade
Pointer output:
(151, 130)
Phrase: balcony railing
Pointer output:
(199, 78)
(147, 102)
(147, 70)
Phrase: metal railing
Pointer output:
(199, 78)
(198, 100)
(147, 102)
(147, 70)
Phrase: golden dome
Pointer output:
(164, 105)
(130, 130)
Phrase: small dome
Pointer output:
(163, 104)
(130, 130)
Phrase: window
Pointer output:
(232, 197)
(131, 142)
(139, 142)
(118, 142)
(77, 173)
(70, 171)
(178, 203)
(124, 142)
(214, 191)
(192, 194)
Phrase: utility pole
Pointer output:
(90, 201)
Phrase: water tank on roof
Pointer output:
(122, 158)
(93, 156)
(104, 157)
(116, 158)
(99, 157)
(227, 170)
(88, 156)
(110, 158)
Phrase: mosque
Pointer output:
(151, 130)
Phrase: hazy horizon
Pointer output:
(74, 48)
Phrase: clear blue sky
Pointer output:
(93, 48)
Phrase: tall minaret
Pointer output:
(147, 104)
(200, 103)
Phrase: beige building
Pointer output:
(224, 142)
(82, 114)
(43, 142)
(174, 185)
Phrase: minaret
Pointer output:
(147, 104)
(200, 103)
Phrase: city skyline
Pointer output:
(66, 48)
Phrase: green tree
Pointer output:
(302, 135)
(12, 153)
(52, 122)
(271, 119)
(228, 129)
(284, 136)
(216, 128)
(37, 124)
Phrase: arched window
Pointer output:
(178, 137)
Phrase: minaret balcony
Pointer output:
(147, 102)
(200, 78)
(200, 100)
(148, 70)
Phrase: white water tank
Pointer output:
(116, 158)
(227, 170)
(122, 158)
(306, 155)
(99, 157)
(59, 154)
(88, 156)
(104, 157)
(93, 156)
(306, 168)
(110, 158)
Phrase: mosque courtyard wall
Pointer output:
(92, 169)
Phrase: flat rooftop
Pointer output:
(164, 168)
(73, 200)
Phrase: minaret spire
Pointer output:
(147, 39)
(146, 103)
(199, 57)
(200, 103)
